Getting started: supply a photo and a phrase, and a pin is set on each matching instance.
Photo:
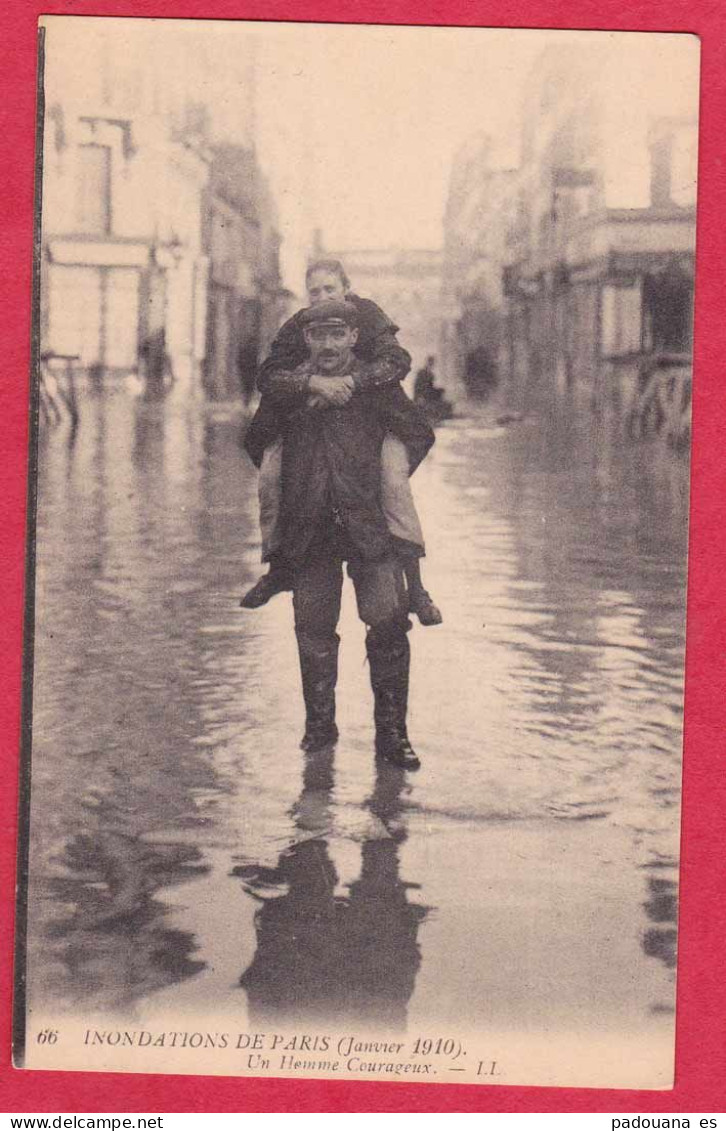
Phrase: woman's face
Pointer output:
(324, 285)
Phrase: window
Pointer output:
(620, 319)
(93, 190)
(668, 301)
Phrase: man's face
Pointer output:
(323, 285)
(330, 347)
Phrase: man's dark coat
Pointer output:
(331, 466)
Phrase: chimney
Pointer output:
(661, 161)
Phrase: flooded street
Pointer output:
(187, 857)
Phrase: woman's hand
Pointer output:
(332, 390)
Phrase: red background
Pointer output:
(701, 1044)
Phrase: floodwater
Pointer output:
(187, 857)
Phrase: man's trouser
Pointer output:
(397, 500)
(382, 606)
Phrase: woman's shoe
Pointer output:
(423, 607)
(270, 584)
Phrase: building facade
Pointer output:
(599, 274)
(115, 270)
(478, 218)
(246, 297)
(122, 260)
(159, 250)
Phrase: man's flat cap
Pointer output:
(332, 312)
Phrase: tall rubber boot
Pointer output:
(319, 671)
(389, 655)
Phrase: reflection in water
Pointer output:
(352, 957)
(113, 940)
(166, 722)
(662, 908)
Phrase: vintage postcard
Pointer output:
(354, 674)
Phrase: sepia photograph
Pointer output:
(354, 663)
